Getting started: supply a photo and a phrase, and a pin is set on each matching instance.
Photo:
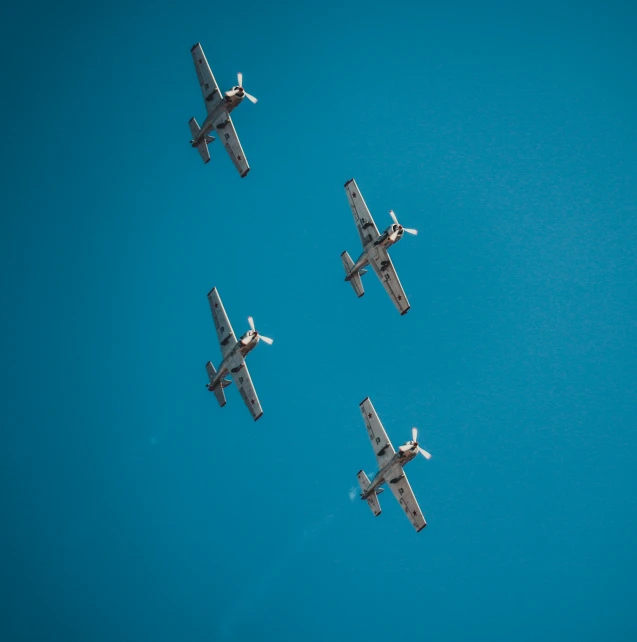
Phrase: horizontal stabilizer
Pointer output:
(202, 145)
(357, 284)
(355, 278)
(221, 396)
(348, 264)
(218, 389)
(194, 127)
(374, 505)
(363, 480)
(202, 148)
(212, 373)
(372, 500)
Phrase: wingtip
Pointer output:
(364, 400)
(404, 312)
(421, 528)
(258, 417)
(348, 182)
(245, 173)
(197, 44)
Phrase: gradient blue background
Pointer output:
(134, 507)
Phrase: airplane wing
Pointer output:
(407, 500)
(386, 272)
(243, 381)
(230, 140)
(365, 225)
(209, 88)
(383, 449)
(225, 334)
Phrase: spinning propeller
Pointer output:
(259, 336)
(251, 98)
(414, 442)
(414, 438)
(408, 230)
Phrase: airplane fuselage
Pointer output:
(392, 470)
(230, 101)
(245, 344)
(389, 237)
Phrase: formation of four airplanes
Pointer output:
(375, 246)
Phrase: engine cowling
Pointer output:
(394, 232)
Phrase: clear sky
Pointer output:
(137, 509)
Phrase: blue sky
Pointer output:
(136, 508)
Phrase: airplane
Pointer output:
(390, 468)
(234, 353)
(218, 106)
(375, 246)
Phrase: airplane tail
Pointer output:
(218, 389)
(372, 500)
(354, 279)
(202, 145)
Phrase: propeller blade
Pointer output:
(251, 98)
(266, 339)
(414, 232)
(251, 322)
(240, 79)
(414, 435)
(393, 216)
(424, 453)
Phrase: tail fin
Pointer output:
(202, 145)
(218, 389)
(372, 500)
(354, 279)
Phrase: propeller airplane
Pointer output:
(234, 352)
(218, 107)
(375, 246)
(390, 468)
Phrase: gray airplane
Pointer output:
(390, 468)
(234, 353)
(218, 106)
(375, 246)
